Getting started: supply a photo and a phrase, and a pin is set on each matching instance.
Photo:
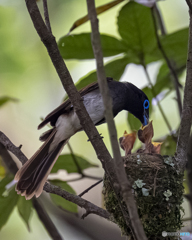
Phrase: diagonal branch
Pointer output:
(102, 153)
(186, 118)
(136, 226)
(88, 206)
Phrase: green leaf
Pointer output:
(169, 146)
(114, 69)
(7, 205)
(136, 27)
(61, 202)
(79, 46)
(6, 99)
(133, 122)
(164, 80)
(25, 209)
(7, 179)
(175, 45)
(66, 162)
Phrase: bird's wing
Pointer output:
(66, 106)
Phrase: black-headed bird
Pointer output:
(33, 174)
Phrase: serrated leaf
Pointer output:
(78, 46)
(66, 162)
(134, 122)
(169, 146)
(25, 209)
(61, 202)
(136, 27)
(7, 205)
(7, 179)
(114, 69)
(6, 99)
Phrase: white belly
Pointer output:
(68, 124)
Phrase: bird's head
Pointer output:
(139, 104)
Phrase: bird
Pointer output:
(32, 176)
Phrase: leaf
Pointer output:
(2, 170)
(6, 99)
(7, 179)
(78, 46)
(164, 80)
(175, 45)
(136, 27)
(66, 162)
(169, 146)
(114, 69)
(133, 122)
(61, 202)
(25, 209)
(7, 205)
(99, 10)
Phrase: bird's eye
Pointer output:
(146, 104)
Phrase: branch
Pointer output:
(189, 3)
(88, 206)
(46, 15)
(186, 118)
(12, 167)
(65, 77)
(85, 120)
(189, 172)
(136, 226)
(172, 70)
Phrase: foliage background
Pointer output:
(27, 74)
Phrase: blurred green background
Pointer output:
(26, 73)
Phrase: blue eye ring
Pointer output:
(146, 101)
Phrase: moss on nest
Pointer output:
(158, 189)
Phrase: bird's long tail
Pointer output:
(33, 174)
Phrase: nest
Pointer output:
(158, 190)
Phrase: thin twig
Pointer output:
(172, 70)
(12, 167)
(92, 186)
(158, 103)
(88, 206)
(136, 226)
(186, 118)
(46, 15)
(160, 20)
(74, 159)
